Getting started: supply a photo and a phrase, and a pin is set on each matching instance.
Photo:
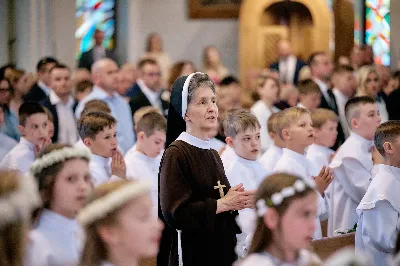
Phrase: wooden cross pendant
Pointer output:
(221, 189)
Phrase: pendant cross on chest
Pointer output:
(221, 189)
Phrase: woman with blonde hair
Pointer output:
(18, 198)
(368, 85)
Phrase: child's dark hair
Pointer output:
(91, 124)
(27, 109)
(271, 185)
(151, 122)
(387, 131)
(95, 106)
(352, 107)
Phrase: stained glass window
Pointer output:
(377, 29)
(91, 15)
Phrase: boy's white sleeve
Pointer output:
(380, 226)
(357, 179)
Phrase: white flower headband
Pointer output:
(277, 198)
(57, 156)
(99, 208)
(20, 203)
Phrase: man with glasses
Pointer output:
(147, 89)
(40, 90)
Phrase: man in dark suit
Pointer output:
(147, 91)
(40, 90)
(321, 68)
(97, 52)
(289, 65)
(61, 103)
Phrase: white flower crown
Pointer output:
(57, 156)
(99, 208)
(20, 203)
(277, 198)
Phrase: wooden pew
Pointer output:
(148, 262)
(328, 245)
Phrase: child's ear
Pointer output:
(354, 123)
(271, 219)
(108, 234)
(140, 135)
(229, 141)
(21, 129)
(272, 135)
(387, 146)
(87, 142)
(285, 134)
(187, 119)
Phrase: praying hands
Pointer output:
(236, 199)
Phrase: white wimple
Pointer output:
(57, 156)
(185, 93)
(99, 208)
(18, 205)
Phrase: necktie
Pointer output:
(332, 101)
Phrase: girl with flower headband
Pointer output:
(62, 173)
(286, 207)
(18, 198)
(120, 227)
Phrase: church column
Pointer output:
(33, 32)
(4, 32)
(395, 34)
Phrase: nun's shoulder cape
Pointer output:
(189, 171)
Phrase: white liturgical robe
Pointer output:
(142, 167)
(21, 157)
(297, 164)
(352, 166)
(379, 215)
(56, 240)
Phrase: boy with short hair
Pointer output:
(33, 125)
(143, 160)
(242, 131)
(274, 152)
(295, 128)
(325, 123)
(309, 95)
(98, 132)
(90, 107)
(353, 162)
(379, 210)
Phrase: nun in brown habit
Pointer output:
(196, 201)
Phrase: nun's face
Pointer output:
(202, 112)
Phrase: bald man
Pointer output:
(105, 80)
(289, 65)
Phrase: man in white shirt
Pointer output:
(289, 65)
(60, 103)
(147, 89)
(345, 85)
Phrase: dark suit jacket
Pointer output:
(36, 94)
(52, 108)
(139, 100)
(324, 104)
(86, 60)
(299, 65)
(393, 105)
